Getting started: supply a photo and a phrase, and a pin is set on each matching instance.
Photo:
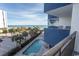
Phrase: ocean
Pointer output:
(41, 26)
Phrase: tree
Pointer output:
(35, 29)
(11, 30)
(5, 30)
(25, 34)
(18, 39)
(14, 37)
(18, 30)
(31, 32)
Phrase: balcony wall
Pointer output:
(53, 35)
(51, 6)
(53, 27)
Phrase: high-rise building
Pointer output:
(3, 20)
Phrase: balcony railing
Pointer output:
(53, 35)
(63, 48)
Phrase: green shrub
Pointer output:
(5, 31)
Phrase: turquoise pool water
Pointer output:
(34, 48)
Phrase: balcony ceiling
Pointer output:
(65, 11)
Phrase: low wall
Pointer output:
(53, 36)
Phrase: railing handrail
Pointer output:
(58, 46)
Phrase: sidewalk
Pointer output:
(6, 45)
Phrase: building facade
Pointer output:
(3, 20)
(62, 17)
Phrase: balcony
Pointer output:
(63, 48)
(54, 35)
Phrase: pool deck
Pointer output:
(6, 45)
(20, 53)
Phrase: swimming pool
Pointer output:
(37, 48)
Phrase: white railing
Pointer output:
(63, 48)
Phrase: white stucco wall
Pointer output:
(64, 21)
(56, 23)
(75, 24)
(1, 19)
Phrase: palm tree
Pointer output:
(35, 29)
(11, 31)
(25, 34)
(18, 39)
(31, 32)
(5, 30)
(14, 37)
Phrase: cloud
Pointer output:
(25, 14)
(30, 19)
(34, 21)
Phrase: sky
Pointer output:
(25, 13)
